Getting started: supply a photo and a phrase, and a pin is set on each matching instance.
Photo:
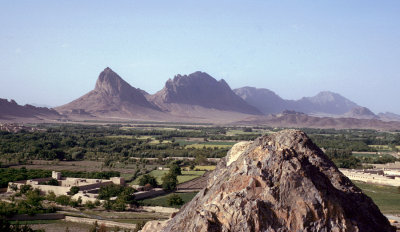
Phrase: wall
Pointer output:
(371, 178)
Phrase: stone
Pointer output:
(281, 182)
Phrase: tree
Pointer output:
(25, 188)
(169, 181)
(63, 200)
(148, 179)
(73, 190)
(107, 204)
(51, 196)
(174, 199)
(175, 169)
(52, 181)
(200, 159)
(33, 198)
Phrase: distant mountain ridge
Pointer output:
(11, 110)
(268, 102)
(199, 97)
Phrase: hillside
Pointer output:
(11, 110)
(111, 97)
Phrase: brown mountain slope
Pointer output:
(201, 91)
(112, 97)
(282, 182)
(306, 121)
(10, 110)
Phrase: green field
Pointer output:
(186, 176)
(381, 147)
(202, 167)
(205, 145)
(162, 200)
(387, 198)
(120, 136)
(370, 155)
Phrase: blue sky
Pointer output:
(51, 52)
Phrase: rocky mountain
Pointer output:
(361, 113)
(11, 110)
(270, 103)
(264, 99)
(113, 97)
(200, 89)
(282, 182)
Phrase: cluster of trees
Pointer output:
(343, 158)
(169, 180)
(78, 142)
(124, 196)
(13, 174)
(31, 204)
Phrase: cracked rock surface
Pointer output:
(281, 182)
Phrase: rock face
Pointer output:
(281, 182)
(111, 96)
(200, 89)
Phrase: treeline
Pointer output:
(76, 142)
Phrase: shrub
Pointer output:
(51, 196)
(24, 188)
(63, 200)
(53, 182)
(174, 199)
(73, 190)
(90, 205)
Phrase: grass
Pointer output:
(120, 136)
(158, 141)
(381, 147)
(202, 167)
(206, 145)
(367, 155)
(33, 222)
(387, 198)
(186, 176)
(162, 200)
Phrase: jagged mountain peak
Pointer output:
(111, 96)
(201, 89)
(111, 83)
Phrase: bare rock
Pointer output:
(281, 182)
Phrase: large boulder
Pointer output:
(281, 182)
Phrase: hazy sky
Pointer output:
(51, 52)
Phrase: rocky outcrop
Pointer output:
(281, 182)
